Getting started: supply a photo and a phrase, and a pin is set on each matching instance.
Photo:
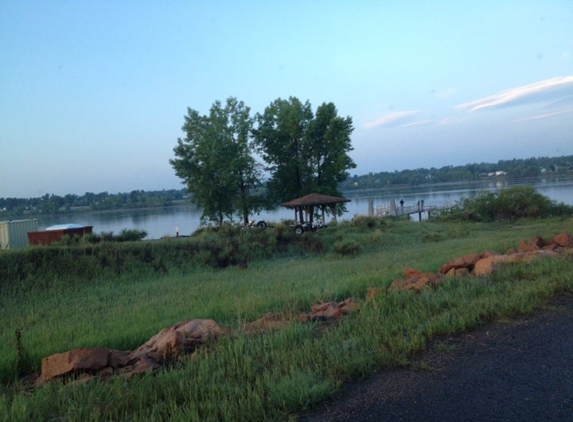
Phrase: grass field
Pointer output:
(120, 296)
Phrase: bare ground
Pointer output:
(518, 370)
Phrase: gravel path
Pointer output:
(521, 370)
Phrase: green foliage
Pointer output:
(513, 169)
(130, 235)
(304, 152)
(215, 161)
(125, 235)
(507, 204)
(311, 242)
(346, 247)
(365, 222)
(260, 377)
(54, 204)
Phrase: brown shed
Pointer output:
(55, 233)
(306, 205)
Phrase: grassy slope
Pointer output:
(270, 376)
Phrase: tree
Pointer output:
(304, 153)
(214, 161)
(330, 142)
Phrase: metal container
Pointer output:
(55, 233)
(14, 233)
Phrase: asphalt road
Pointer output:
(520, 370)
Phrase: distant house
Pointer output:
(55, 233)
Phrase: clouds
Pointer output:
(544, 116)
(553, 89)
(397, 118)
(555, 94)
(407, 119)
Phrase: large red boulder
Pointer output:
(85, 360)
(181, 338)
(534, 244)
(466, 261)
(328, 311)
(488, 265)
(564, 240)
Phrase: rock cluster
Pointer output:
(164, 347)
(481, 264)
(170, 344)
(184, 338)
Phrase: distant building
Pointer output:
(55, 233)
(14, 233)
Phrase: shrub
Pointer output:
(310, 242)
(367, 222)
(346, 247)
(507, 204)
(130, 235)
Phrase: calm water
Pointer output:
(159, 222)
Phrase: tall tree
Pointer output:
(330, 144)
(282, 141)
(215, 163)
(304, 152)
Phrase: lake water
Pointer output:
(159, 222)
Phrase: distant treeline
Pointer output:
(54, 204)
(514, 169)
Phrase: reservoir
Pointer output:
(160, 222)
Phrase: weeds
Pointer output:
(120, 300)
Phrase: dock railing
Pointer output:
(387, 210)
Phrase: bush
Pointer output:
(346, 247)
(507, 204)
(130, 235)
(367, 222)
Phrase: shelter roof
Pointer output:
(65, 226)
(314, 199)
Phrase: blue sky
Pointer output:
(93, 93)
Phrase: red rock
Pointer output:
(331, 312)
(118, 358)
(75, 361)
(181, 338)
(466, 261)
(415, 283)
(488, 265)
(270, 321)
(462, 272)
(551, 247)
(486, 254)
(418, 284)
(348, 305)
(321, 307)
(534, 244)
(565, 240)
(321, 316)
(322, 312)
(141, 365)
(411, 272)
(398, 285)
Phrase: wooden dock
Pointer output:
(391, 210)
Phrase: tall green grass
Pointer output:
(271, 376)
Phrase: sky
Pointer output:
(93, 93)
